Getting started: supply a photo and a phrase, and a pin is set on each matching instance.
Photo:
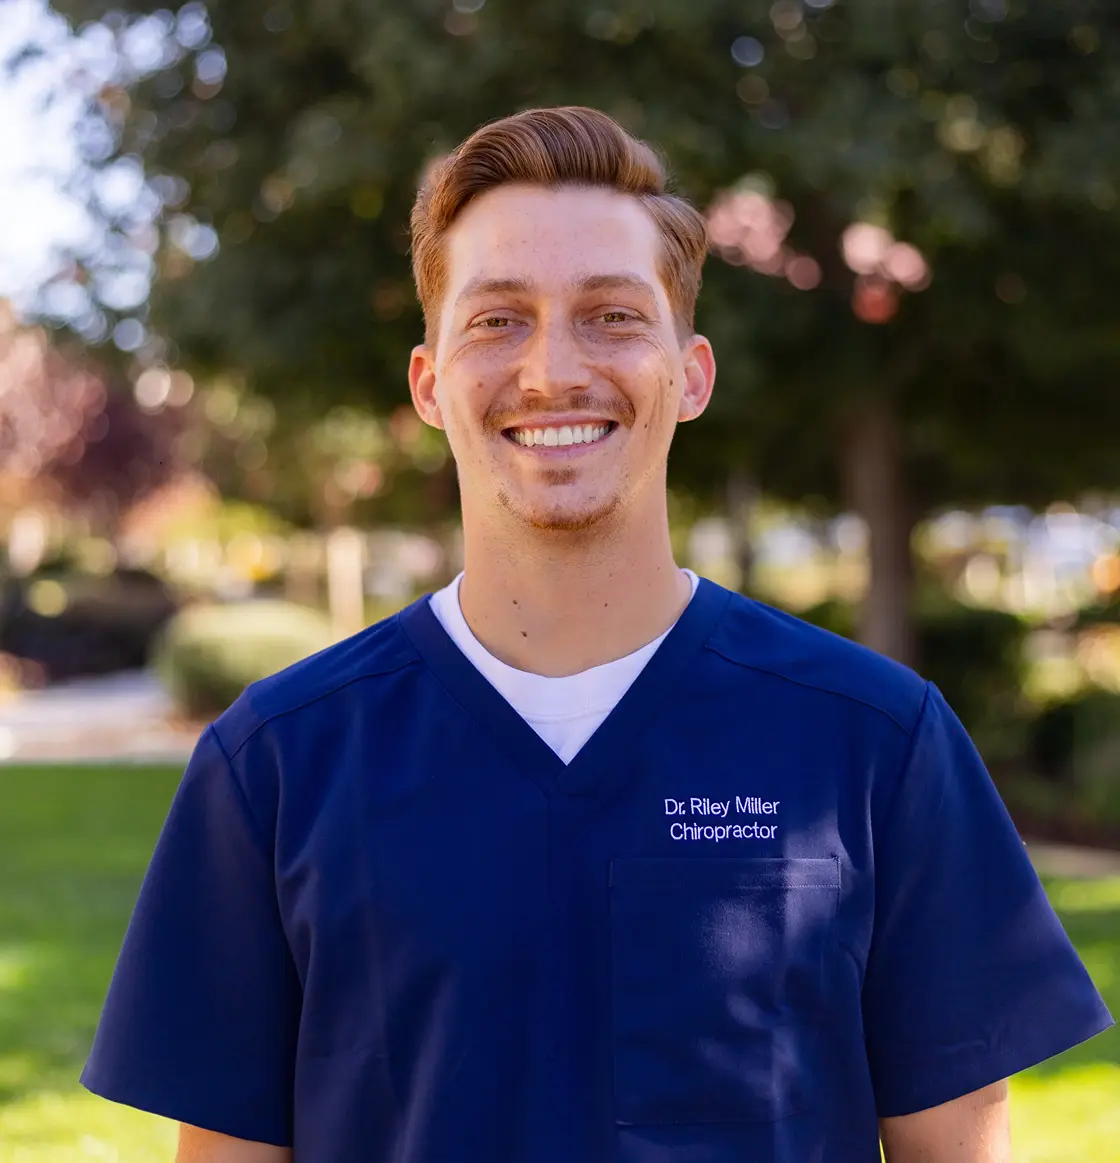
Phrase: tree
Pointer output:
(975, 138)
(74, 436)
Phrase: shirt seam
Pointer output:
(817, 687)
(908, 755)
(274, 715)
(242, 797)
(888, 809)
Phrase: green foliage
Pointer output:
(227, 519)
(1079, 740)
(1106, 612)
(210, 654)
(975, 658)
(980, 131)
(1066, 813)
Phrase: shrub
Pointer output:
(95, 624)
(1079, 739)
(1070, 789)
(209, 654)
(1103, 613)
(975, 657)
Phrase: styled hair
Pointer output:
(566, 146)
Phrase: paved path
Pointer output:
(1066, 860)
(123, 717)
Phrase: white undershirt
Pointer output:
(565, 712)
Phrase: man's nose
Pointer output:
(554, 363)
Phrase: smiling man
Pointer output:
(583, 859)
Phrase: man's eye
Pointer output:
(494, 322)
(616, 317)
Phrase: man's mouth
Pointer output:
(560, 436)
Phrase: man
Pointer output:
(585, 858)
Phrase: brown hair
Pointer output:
(568, 146)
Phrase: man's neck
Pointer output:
(561, 605)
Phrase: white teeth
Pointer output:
(561, 437)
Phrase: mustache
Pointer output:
(501, 416)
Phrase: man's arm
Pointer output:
(199, 1146)
(974, 1128)
(206, 968)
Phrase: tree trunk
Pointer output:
(874, 481)
(742, 496)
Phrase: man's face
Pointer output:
(557, 372)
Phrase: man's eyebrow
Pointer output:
(612, 282)
(487, 286)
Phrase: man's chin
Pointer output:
(564, 519)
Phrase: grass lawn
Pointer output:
(74, 844)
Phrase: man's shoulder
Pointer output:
(771, 641)
(311, 685)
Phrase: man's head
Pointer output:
(558, 281)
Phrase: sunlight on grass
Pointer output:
(1077, 896)
(15, 966)
(74, 844)
(77, 1127)
(17, 1072)
(1071, 1115)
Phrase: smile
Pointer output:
(560, 437)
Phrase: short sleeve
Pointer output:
(970, 977)
(202, 1013)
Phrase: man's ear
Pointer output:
(699, 377)
(422, 385)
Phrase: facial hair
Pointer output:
(501, 416)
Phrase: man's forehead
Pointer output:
(522, 232)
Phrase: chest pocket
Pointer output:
(718, 984)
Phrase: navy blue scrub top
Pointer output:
(774, 898)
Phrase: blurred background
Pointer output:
(209, 466)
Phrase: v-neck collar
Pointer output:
(597, 764)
